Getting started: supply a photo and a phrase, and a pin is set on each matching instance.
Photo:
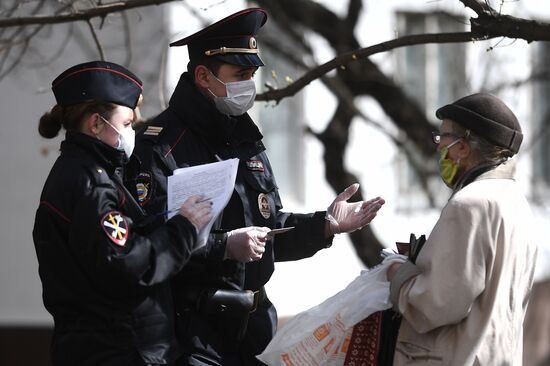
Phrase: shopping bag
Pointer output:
(320, 335)
(373, 339)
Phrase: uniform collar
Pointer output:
(99, 150)
(200, 115)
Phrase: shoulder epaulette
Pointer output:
(153, 130)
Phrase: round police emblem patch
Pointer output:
(263, 205)
(116, 227)
(144, 187)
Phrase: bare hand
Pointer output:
(345, 217)
(197, 210)
(246, 244)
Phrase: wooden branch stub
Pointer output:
(511, 27)
(480, 7)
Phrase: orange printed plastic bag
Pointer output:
(321, 335)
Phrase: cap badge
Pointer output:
(263, 205)
(116, 227)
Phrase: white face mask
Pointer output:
(239, 99)
(126, 138)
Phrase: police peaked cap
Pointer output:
(488, 117)
(97, 80)
(230, 40)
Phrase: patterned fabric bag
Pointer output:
(372, 341)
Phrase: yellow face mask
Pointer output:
(447, 168)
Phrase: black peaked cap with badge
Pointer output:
(230, 40)
(488, 117)
(97, 80)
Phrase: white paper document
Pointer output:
(214, 181)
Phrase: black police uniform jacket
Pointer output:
(190, 132)
(103, 282)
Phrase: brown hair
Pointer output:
(71, 117)
(211, 63)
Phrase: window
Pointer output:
(540, 141)
(283, 129)
(433, 75)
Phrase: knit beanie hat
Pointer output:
(488, 117)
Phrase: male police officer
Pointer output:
(207, 121)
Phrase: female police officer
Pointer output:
(103, 282)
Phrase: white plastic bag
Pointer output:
(319, 336)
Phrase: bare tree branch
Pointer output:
(346, 100)
(511, 27)
(493, 24)
(9, 69)
(313, 15)
(281, 14)
(24, 41)
(55, 54)
(96, 40)
(87, 14)
(534, 77)
(354, 10)
(128, 39)
(16, 5)
(348, 57)
(480, 7)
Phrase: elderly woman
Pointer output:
(464, 300)
(104, 280)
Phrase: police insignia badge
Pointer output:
(144, 187)
(116, 227)
(263, 205)
(255, 165)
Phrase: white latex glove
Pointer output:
(197, 211)
(246, 244)
(345, 217)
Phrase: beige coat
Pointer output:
(464, 301)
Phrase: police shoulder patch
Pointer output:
(115, 227)
(144, 187)
(255, 165)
